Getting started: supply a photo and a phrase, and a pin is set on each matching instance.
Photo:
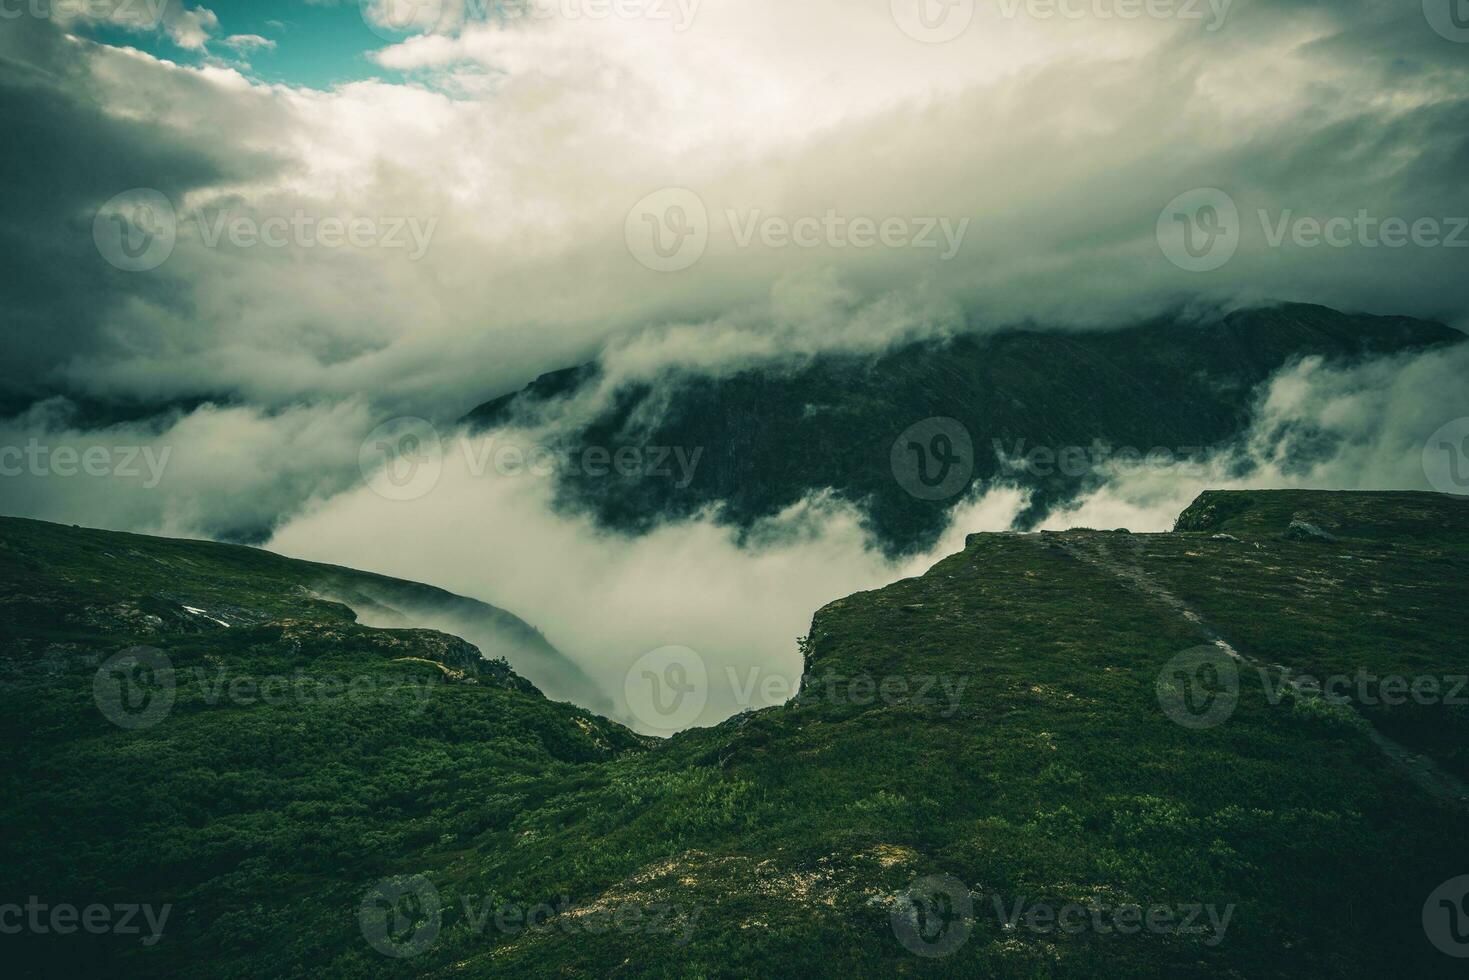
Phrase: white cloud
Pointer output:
(249, 42)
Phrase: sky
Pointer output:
(252, 234)
(317, 45)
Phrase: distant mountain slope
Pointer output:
(1014, 741)
(170, 573)
(774, 434)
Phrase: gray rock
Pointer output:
(1224, 537)
(1301, 531)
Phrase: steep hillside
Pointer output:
(769, 436)
(1079, 754)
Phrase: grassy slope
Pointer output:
(788, 831)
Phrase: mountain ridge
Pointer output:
(773, 435)
(1049, 767)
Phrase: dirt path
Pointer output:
(1120, 556)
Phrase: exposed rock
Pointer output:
(1302, 531)
(1224, 537)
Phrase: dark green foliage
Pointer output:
(778, 839)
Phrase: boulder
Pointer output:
(1302, 531)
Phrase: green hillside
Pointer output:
(1052, 725)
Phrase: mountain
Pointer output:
(1078, 754)
(180, 597)
(1037, 408)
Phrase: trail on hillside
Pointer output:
(1097, 551)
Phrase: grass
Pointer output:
(779, 841)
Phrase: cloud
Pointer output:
(605, 600)
(249, 42)
(218, 472)
(529, 141)
(1368, 427)
(189, 28)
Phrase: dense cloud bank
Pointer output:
(316, 262)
